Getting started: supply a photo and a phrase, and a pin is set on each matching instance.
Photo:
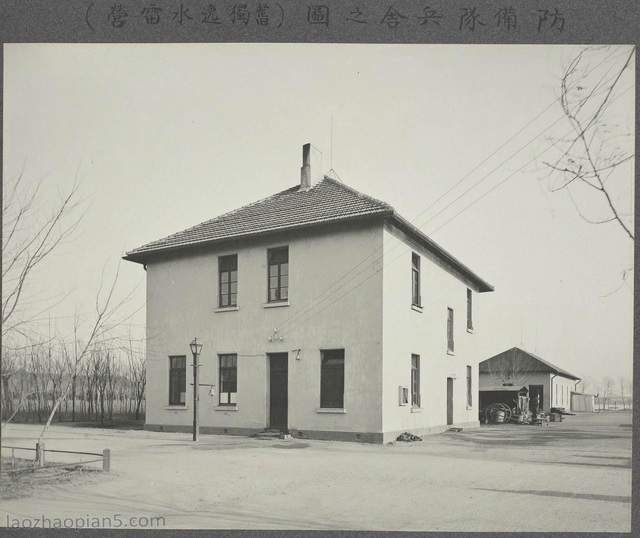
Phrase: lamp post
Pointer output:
(195, 350)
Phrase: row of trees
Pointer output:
(109, 381)
(609, 392)
(89, 369)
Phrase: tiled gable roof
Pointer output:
(517, 354)
(327, 201)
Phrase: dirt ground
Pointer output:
(568, 476)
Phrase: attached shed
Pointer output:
(508, 395)
(582, 402)
(549, 384)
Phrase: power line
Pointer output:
(457, 214)
(310, 305)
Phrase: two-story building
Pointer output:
(321, 311)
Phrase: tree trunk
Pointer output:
(101, 408)
(73, 399)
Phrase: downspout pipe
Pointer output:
(551, 387)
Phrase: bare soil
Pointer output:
(568, 476)
(20, 477)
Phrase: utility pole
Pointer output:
(195, 350)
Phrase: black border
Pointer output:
(85, 21)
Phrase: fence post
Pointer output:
(106, 460)
(40, 454)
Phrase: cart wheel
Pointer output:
(498, 413)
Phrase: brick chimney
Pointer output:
(311, 171)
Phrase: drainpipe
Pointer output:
(551, 387)
(575, 389)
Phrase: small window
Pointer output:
(228, 379)
(415, 380)
(177, 380)
(332, 378)
(278, 259)
(450, 330)
(469, 393)
(228, 280)
(469, 310)
(415, 279)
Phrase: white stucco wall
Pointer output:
(562, 388)
(407, 331)
(182, 302)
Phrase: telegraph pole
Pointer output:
(195, 350)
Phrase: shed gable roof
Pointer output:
(543, 366)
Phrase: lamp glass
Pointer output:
(195, 347)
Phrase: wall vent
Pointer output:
(403, 395)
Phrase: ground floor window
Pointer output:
(332, 378)
(228, 379)
(469, 392)
(177, 380)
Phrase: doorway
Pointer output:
(449, 401)
(535, 391)
(278, 391)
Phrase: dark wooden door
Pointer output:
(278, 391)
(536, 391)
(449, 400)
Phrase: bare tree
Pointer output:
(607, 388)
(626, 388)
(10, 369)
(136, 374)
(106, 320)
(511, 368)
(586, 383)
(30, 233)
(589, 161)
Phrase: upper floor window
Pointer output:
(450, 330)
(332, 378)
(228, 379)
(228, 280)
(415, 380)
(278, 261)
(469, 310)
(415, 279)
(177, 380)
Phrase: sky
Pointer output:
(165, 136)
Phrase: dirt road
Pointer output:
(569, 476)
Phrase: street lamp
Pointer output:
(195, 350)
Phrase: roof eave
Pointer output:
(143, 257)
(404, 225)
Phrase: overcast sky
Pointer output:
(167, 136)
